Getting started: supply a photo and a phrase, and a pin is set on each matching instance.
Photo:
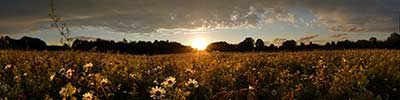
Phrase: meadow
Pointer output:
(308, 75)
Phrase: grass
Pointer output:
(325, 75)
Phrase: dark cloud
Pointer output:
(307, 38)
(355, 15)
(147, 16)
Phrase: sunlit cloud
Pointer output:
(186, 16)
(308, 38)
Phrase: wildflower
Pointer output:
(61, 70)
(68, 90)
(87, 96)
(274, 92)
(7, 66)
(192, 83)
(69, 73)
(169, 82)
(16, 77)
(190, 71)
(87, 66)
(104, 81)
(251, 87)
(155, 81)
(157, 92)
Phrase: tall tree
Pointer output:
(289, 45)
(247, 44)
(260, 45)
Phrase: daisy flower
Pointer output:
(87, 66)
(192, 83)
(157, 92)
(169, 82)
(104, 81)
(87, 96)
(7, 66)
(69, 73)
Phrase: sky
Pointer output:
(273, 21)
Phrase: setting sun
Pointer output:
(199, 44)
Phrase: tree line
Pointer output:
(168, 47)
(249, 45)
(98, 45)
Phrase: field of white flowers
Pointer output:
(321, 75)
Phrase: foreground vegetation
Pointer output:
(351, 74)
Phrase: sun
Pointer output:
(199, 44)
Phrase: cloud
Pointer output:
(336, 36)
(148, 16)
(355, 15)
(84, 38)
(307, 38)
(278, 41)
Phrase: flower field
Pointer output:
(321, 75)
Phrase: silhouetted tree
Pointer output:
(302, 46)
(260, 46)
(312, 46)
(140, 47)
(346, 44)
(221, 46)
(373, 42)
(247, 44)
(289, 45)
(393, 41)
(166, 47)
(272, 47)
(25, 43)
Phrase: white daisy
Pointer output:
(169, 82)
(87, 96)
(157, 92)
(104, 81)
(192, 83)
(69, 73)
(7, 66)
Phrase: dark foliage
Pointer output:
(167, 47)
(25, 43)
(139, 47)
(392, 42)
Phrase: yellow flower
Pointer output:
(87, 96)
(87, 66)
(157, 92)
(104, 81)
(68, 90)
(52, 77)
(251, 87)
(7, 66)
(192, 83)
(169, 82)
